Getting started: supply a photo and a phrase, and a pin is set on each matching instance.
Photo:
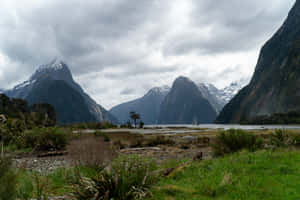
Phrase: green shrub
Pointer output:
(160, 140)
(8, 180)
(235, 140)
(43, 139)
(129, 177)
(103, 134)
(92, 125)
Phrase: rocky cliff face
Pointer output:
(147, 106)
(275, 85)
(57, 72)
(185, 104)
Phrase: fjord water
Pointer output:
(225, 126)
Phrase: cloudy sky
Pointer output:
(119, 49)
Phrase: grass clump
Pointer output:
(128, 177)
(234, 140)
(280, 138)
(8, 180)
(283, 138)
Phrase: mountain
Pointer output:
(275, 85)
(147, 106)
(40, 87)
(218, 98)
(68, 102)
(185, 104)
(213, 95)
(228, 92)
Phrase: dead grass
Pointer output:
(90, 150)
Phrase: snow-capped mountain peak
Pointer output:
(227, 93)
(56, 69)
(163, 90)
(55, 65)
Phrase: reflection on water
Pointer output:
(226, 126)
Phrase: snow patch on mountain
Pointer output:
(55, 65)
(24, 84)
(162, 90)
(227, 93)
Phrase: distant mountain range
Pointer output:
(53, 83)
(185, 102)
(149, 106)
(275, 85)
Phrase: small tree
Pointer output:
(135, 116)
(141, 125)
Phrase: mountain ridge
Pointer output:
(275, 85)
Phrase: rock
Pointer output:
(199, 156)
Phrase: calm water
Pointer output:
(227, 126)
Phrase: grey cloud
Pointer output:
(127, 91)
(233, 25)
(115, 43)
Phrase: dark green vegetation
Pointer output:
(276, 118)
(275, 86)
(235, 140)
(90, 125)
(28, 116)
(260, 175)
(184, 104)
(8, 180)
(29, 127)
(43, 139)
(129, 177)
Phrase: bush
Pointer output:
(160, 140)
(92, 125)
(8, 180)
(235, 140)
(129, 177)
(104, 135)
(43, 139)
